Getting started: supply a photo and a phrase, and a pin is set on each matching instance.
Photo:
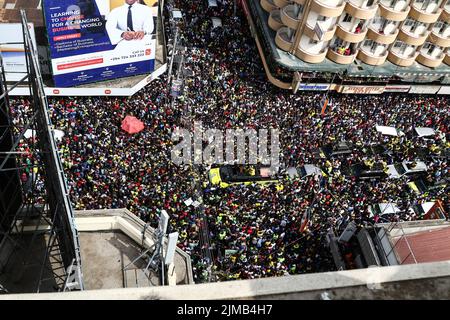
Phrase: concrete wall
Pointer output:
(401, 282)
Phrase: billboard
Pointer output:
(14, 54)
(362, 89)
(97, 40)
(314, 87)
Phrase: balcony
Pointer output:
(424, 15)
(327, 36)
(445, 15)
(400, 59)
(341, 58)
(394, 14)
(283, 39)
(370, 58)
(328, 8)
(353, 8)
(344, 33)
(378, 36)
(268, 5)
(281, 3)
(412, 38)
(447, 58)
(275, 20)
(439, 38)
(310, 57)
(289, 16)
(429, 60)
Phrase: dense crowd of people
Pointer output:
(252, 231)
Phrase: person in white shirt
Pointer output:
(131, 21)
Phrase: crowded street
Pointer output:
(247, 231)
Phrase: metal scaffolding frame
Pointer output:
(45, 209)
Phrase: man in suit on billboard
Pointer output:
(131, 21)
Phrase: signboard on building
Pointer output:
(318, 29)
(362, 89)
(14, 54)
(424, 89)
(399, 88)
(95, 40)
(314, 87)
(444, 90)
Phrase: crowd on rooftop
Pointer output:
(252, 231)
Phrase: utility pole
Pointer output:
(299, 32)
(174, 48)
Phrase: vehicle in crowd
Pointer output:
(304, 171)
(331, 150)
(384, 211)
(423, 132)
(375, 150)
(366, 170)
(389, 131)
(407, 168)
(421, 186)
(227, 175)
(429, 210)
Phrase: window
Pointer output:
(401, 46)
(371, 44)
(393, 3)
(368, 43)
(398, 44)
(409, 22)
(429, 46)
(442, 27)
(377, 20)
(347, 18)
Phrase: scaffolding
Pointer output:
(44, 215)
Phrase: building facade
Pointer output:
(372, 31)
(352, 42)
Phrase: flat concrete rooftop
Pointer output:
(104, 255)
(109, 241)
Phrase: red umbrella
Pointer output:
(132, 125)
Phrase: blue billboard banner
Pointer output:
(97, 40)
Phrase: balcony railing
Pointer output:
(341, 54)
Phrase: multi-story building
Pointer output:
(410, 37)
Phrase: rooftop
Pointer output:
(427, 245)
(109, 241)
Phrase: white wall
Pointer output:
(390, 28)
(312, 48)
(399, 6)
(327, 24)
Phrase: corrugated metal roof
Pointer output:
(427, 246)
